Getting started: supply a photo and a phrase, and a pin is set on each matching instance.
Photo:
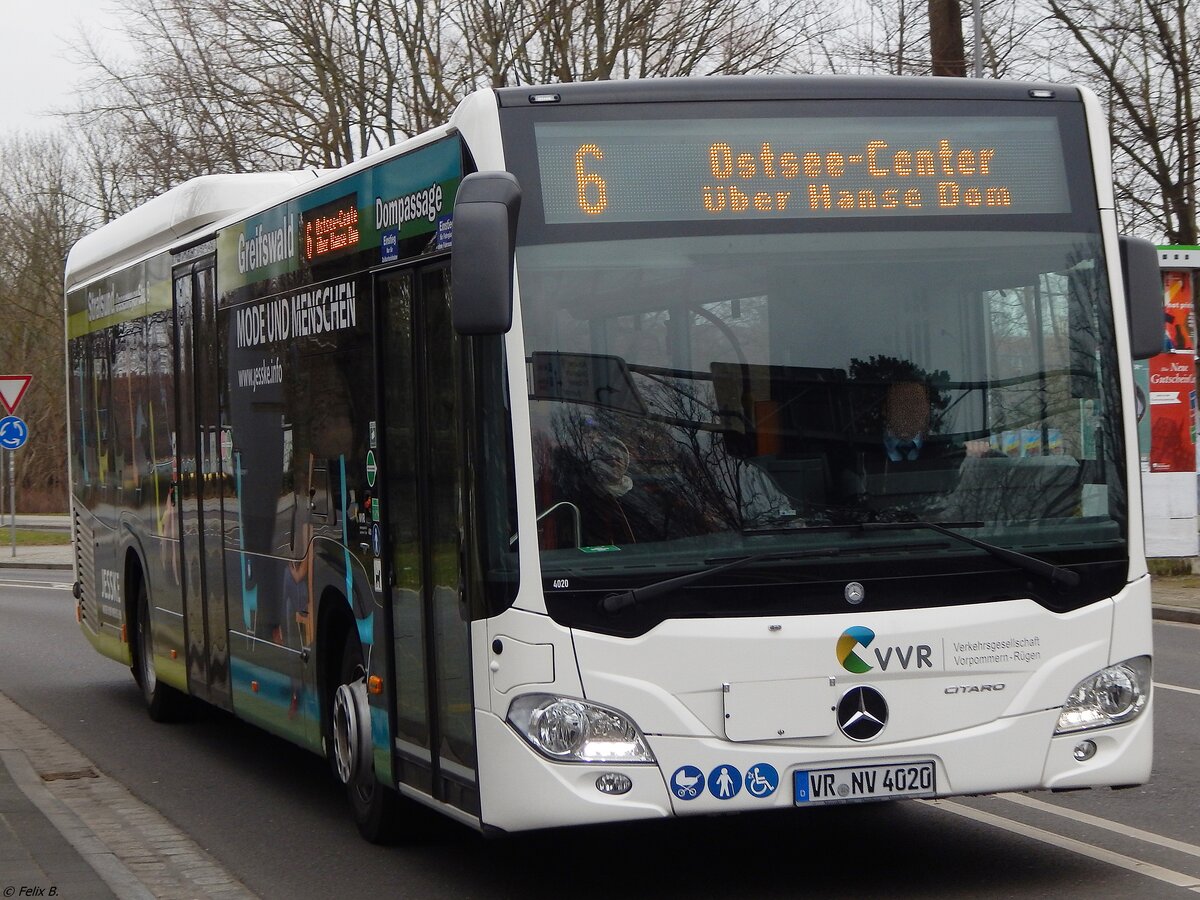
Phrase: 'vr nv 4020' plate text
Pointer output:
(853, 783)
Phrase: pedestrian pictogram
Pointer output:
(724, 782)
(12, 389)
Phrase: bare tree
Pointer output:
(585, 40)
(1138, 54)
(235, 85)
(230, 86)
(435, 51)
(892, 37)
(40, 220)
(175, 109)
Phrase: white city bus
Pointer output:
(544, 470)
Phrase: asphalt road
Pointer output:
(272, 815)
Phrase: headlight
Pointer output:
(1109, 697)
(571, 730)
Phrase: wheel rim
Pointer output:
(149, 680)
(347, 731)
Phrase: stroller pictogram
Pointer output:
(687, 783)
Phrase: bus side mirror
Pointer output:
(1143, 296)
(485, 234)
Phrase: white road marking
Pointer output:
(1096, 822)
(48, 586)
(1141, 867)
(1175, 687)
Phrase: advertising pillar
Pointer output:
(1167, 415)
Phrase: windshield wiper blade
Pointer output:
(1056, 575)
(620, 600)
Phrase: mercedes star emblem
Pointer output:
(862, 713)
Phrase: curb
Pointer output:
(129, 846)
(17, 564)
(1182, 614)
(103, 862)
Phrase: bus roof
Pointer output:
(167, 218)
(783, 87)
(211, 202)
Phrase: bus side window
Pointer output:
(318, 491)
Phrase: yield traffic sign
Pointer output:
(12, 389)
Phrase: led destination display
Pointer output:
(330, 228)
(633, 171)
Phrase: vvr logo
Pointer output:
(917, 656)
(851, 638)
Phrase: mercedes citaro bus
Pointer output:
(541, 469)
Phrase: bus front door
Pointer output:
(422, 488)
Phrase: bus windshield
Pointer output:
(701, 393)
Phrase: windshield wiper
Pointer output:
(624, 599)
(1056, 575)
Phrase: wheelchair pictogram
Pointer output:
(761, 780)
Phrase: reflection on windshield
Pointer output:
(714, 388)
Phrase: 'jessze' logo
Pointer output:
(918, 656)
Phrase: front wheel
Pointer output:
(375, 806)
(163, 702)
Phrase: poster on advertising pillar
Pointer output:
(1179, 318)
(1166, 408)
(1172, 399)
(1172, 381)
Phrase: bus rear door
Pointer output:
(201, 479)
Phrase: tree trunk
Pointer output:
(946, 51)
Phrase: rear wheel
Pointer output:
(375, 806)
(163, 702)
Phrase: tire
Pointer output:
(163, 702)
(376, 807)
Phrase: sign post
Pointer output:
(13, 434)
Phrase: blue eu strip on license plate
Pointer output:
(851, 783)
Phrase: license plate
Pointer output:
(853, 783)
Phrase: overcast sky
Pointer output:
(35, 71)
